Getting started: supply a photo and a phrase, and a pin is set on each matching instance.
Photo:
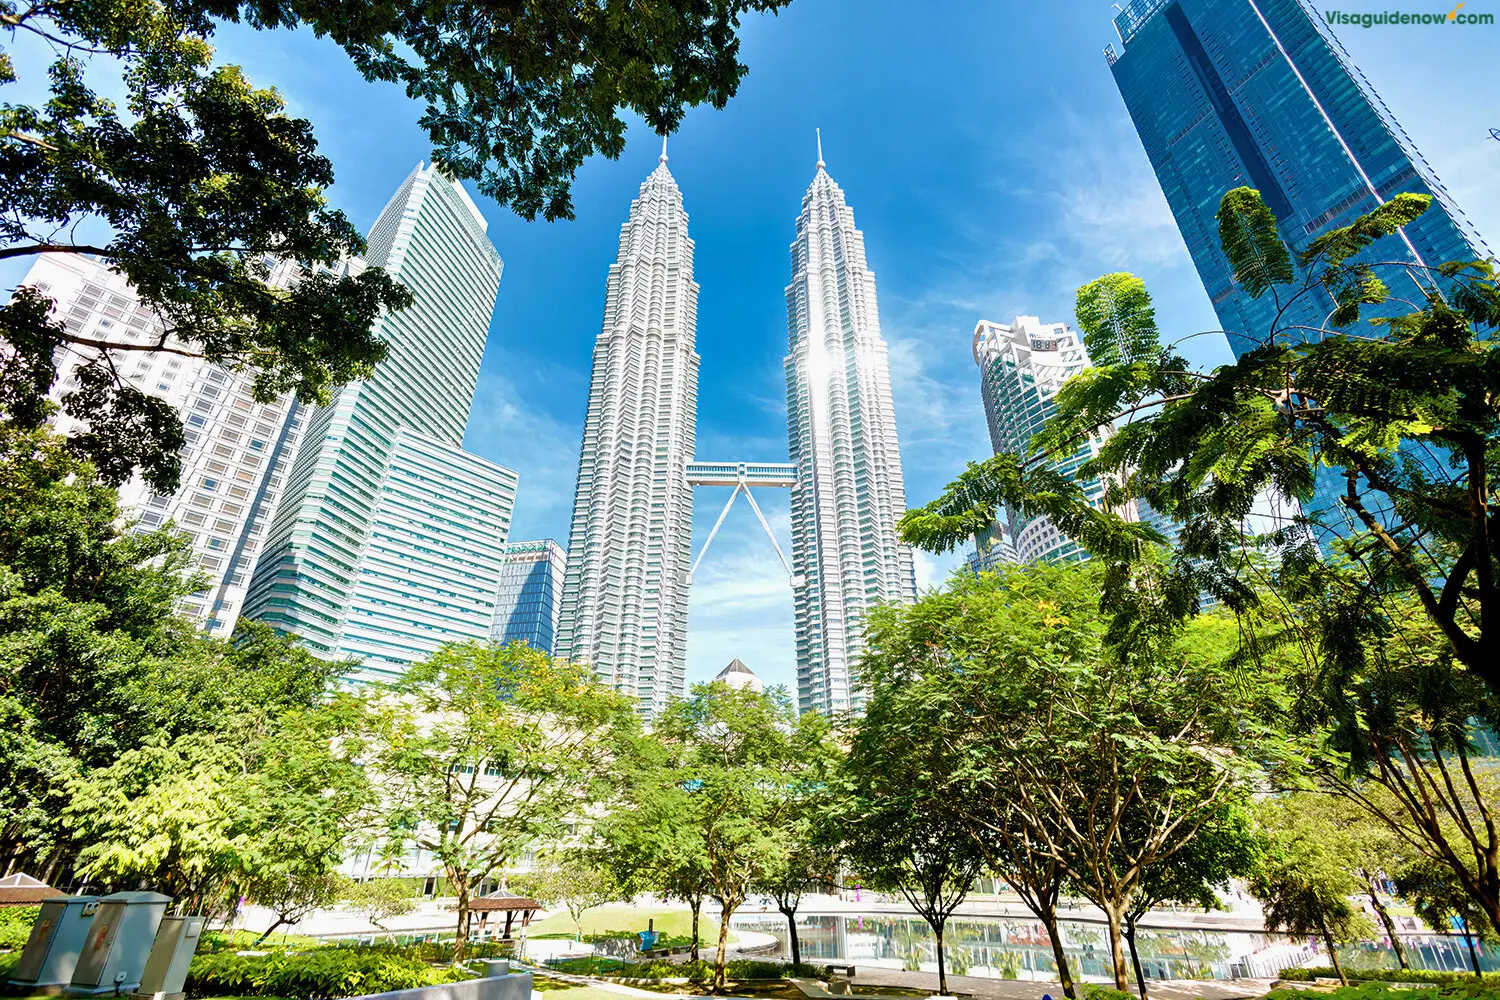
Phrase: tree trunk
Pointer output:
(697, 904)
(278, 923)
(1473, 954)
(1390, 925)
(1135, 954)
(942, 972)
(791, 930)
(461, 939)
(1049, 921)
(1333, 953)
(577, 922)
(725, 913)
(1116, 949)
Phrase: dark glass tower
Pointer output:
(1258, 93)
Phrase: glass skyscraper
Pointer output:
(1259, 93)
(529, 600)
(381, 469)
(625, 595)
(1022, 365)
(841, 428)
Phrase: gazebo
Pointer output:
(504, 902)
(23, 890)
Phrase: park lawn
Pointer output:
(628, 921)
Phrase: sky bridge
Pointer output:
(741, 476)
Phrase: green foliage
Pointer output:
(202, 181)
(1434, 976)
(380, 899)
(1092, 991)
(698, 972)
(729, 773)
(545, 730)
(573, 878)
(1375, 991)
(323, 973)
(15, 924)
(1252, 242)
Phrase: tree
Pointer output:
(293, 896)
(484, 750)
(735, 764)
(261, 802)
(379, 900)
(576, 880)
(1306, 878)
(1225, 848)
(811, 861)
(907, 843)
(656, 843)
(1109, 761)
(1410, 413)
(1442, 902)
(205, 176)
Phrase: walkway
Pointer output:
(1012, 989)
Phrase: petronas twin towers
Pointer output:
(625, 598)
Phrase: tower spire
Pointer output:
(663, 157)
(820, 148)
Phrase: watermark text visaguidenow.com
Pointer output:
(1372, 19)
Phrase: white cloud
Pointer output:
(506, 427)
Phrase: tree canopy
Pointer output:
(199, 183)
(1405, 408)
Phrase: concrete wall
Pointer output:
(513, 987)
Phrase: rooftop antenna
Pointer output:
(663, 157)
(820, 148)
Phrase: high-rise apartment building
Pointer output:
(842, 437)
(529, 601)
(1022, 365)
(1260, 93)
(625, 596)
(237, 451)
(361, 471)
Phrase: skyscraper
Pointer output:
(1259, 93)
(1021, 366)
(842, 437)
(625, 593)
(432, 561)
(529, 600)
(237, 452)
(431, 238)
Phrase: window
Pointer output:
(209, 484)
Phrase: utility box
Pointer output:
(167, 968)
(119, 941)
(55, 943)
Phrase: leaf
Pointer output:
(1117, 319)
(1252, 241)
(1333, 248)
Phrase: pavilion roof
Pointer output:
(23, 890)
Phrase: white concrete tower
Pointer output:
(842, 435)
(625, 596)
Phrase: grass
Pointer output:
(627, 921)
(243, 940)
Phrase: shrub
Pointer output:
(315, 975)
(699, 971)
(1434, 976)
(1092, 991)
(1378, 991)
(15, 924)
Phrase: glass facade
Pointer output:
(1260, 93)
(431, 238)
(529, 600)
(1022, 366)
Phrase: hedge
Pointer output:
(1379, 991)
(700, 971)
(315, 975)
(1433, 976)
(1092, 991)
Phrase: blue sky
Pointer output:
(991, 164)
